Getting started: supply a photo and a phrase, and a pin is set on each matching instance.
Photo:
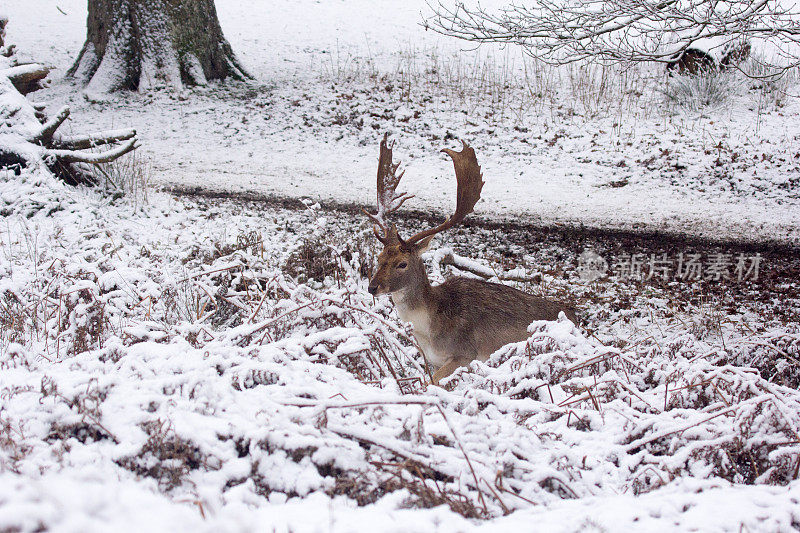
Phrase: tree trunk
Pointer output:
(146, 44)
(3, 22)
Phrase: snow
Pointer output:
(585, 154)
(179, 366)
(120, 394)
(711, 508)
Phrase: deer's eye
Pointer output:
(402, 265)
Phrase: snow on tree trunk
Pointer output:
(146, 44)
(3, 22)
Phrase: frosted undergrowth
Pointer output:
(165, 361)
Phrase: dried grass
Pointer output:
(165, 456)
(674, 406)
(129, 177)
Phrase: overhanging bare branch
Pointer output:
(566, 31)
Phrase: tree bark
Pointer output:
(147, 44)
(3, 22)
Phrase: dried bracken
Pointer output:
(116, 368)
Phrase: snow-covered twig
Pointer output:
(49, 128)
(70, 156)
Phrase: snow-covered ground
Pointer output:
(195, 364)
(593, 149)
(165, 367)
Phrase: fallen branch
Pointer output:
(325, 405)
(82, 142)
(34, 142)
(26, 78)
(468, 265)
(49, 128)
(70, 156)
(213, 271)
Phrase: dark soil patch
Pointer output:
(555, 251)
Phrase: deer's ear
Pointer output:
(422, 246)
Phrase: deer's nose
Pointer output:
(373, 289)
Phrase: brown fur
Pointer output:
(462, 319)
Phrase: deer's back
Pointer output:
(475, 318)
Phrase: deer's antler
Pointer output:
(468, 192)
(389, 200)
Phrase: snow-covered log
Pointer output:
(27, 142)
(29, 139)
(26, 77)
(146, 44)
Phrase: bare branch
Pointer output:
(566, 31)
(49, 128)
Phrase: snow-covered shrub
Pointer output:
(776, 355)
(266, 393)
(165, 456)
(312, 260)
(709, 88)
(772, 86)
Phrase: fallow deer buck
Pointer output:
(462, 319)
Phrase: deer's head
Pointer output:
(399, 263)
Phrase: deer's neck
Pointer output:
(413, 303)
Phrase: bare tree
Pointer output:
(143, 44)
(564, 31)
(28, 138)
